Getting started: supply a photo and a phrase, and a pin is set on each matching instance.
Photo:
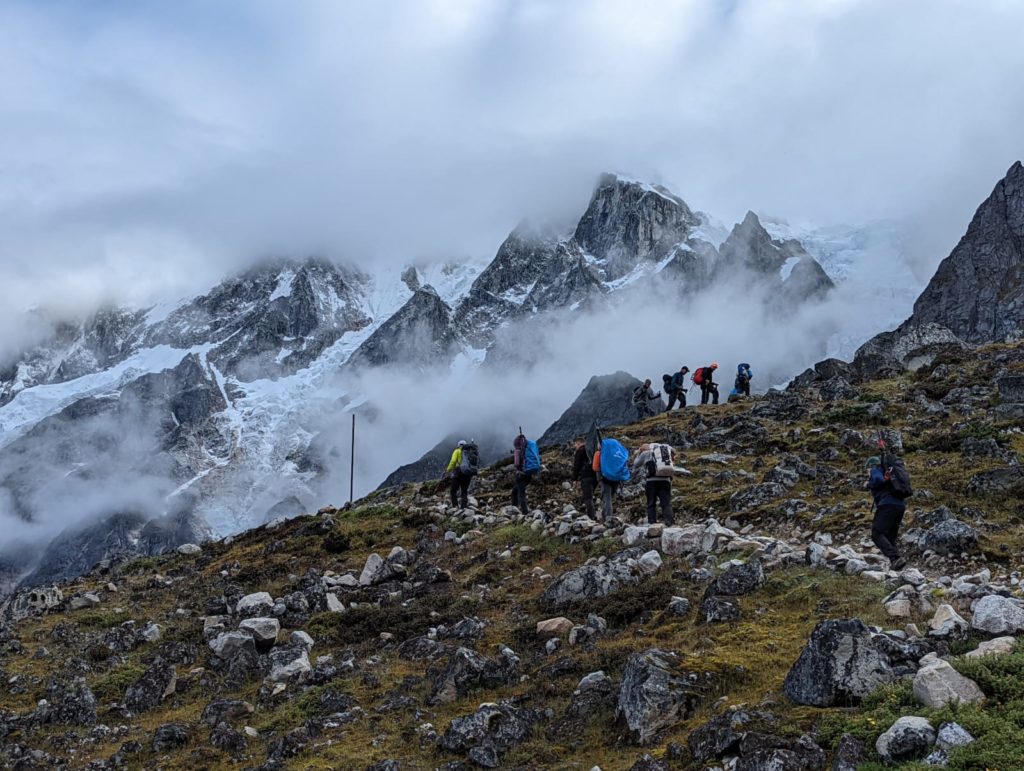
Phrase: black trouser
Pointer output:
(587, 485)
(522, 482)
(743, 388)
(460, 489)
(708, 390)
(608, 490)
(886, 527)
(659, 491)
(679, 395)
(643, 410)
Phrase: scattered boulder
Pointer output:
(289, 662)
(69, 704)
(936, 684)
(951, 537)
(850, 753)
(255, 604)
(840, 665)
(947, 623)
(554, 627)
(715, 610)
(264, 632)
(467, 669)
(487, 733)
(738, 580)
(169, 736)
(227, 739)
(756, 495)
(158, 682)
(719, 736)
(33, 602)
(589, 582)
(998, 615)
(1000, 481)
(654, 694)
(229, 644)
(994, 647)
(909, 738)
(225, 711)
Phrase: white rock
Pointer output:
(334, 604)
(998, 615)
(994, 647)
(554, 627)
(151, 632)
(189, 548)
(633, 535)
(650, 562)
(263, 630)
(372, 570)
(921, 731)
(946, 621)
(254, 600)
(936, 684)
(681, 540)
(227, 644)
(913, 576)
(299, 637)
(287, 670)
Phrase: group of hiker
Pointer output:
(675, 388)
(604, 461)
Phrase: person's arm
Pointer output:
(456, 459)
(577, 464)
(877, 479)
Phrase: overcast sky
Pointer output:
(149, 147)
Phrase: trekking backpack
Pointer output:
(518, 450)
(896, 474)
(698, 376)
(666, 383)
(662, 463)
(638, 394)
(614, 461)
(470, 460)
(531, 458)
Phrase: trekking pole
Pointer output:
(352, 463)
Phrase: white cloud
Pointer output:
(148, 150)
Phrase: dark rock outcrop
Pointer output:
(978, 290)
(655, 694)
(606, 400)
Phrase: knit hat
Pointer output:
(874, 460)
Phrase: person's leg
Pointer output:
(893, 533)
(587, 488)
(454, 488)
(665, 496)
(465, 479)
(607, 492)
(714, 394)
(649, 490)
(523, 480)
(671, 401)
(881, 527)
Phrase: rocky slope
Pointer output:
(761, 631)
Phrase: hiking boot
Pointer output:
(898, 564)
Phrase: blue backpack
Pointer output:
(614, 461)
(531, 458)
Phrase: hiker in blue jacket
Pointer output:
(743, 377)
(889, 511)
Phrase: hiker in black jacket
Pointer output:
(583, 472)
(708, 387)
(677, 388)
(643, 394)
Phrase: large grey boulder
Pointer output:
(951, 537)
(756, 495)
(655, 694)
(738, 580)
(907, 739)
(264, 631)
(69, 704)
(588, 582)
(489, 732)
(840, 665)
(911, 346)
(1000, 481)
(998, 615)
